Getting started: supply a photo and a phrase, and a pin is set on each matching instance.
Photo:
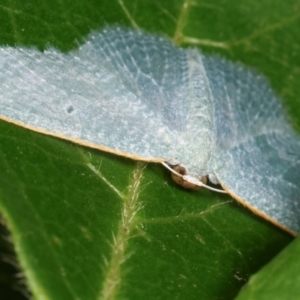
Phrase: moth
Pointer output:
(137, 95)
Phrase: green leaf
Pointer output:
(278, 279)
(86, 224)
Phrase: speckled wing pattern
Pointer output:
(257, 152)
(122, 89)
(137, 95)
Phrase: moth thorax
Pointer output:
(184, 183)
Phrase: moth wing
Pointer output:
(121, 90)
(257, 156)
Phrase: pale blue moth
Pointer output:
(137, 95)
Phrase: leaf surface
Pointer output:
(86, 224)
(278, 279)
